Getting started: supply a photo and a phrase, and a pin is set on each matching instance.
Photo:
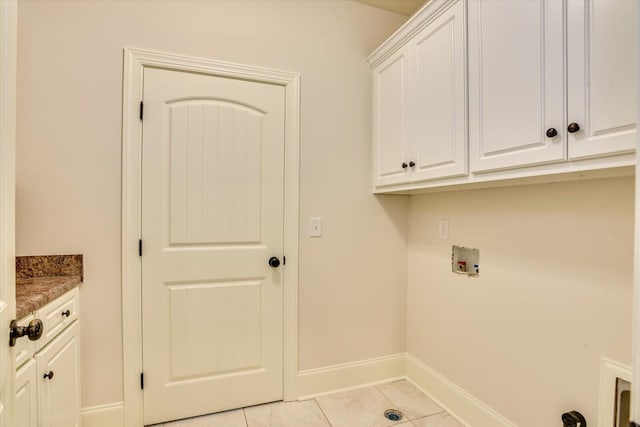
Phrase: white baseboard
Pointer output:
(109, 415)
(329, 379)
(456, 401)
(609, 371)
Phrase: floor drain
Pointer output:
(393, 415)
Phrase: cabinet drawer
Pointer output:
(57, 315)
(24, 347)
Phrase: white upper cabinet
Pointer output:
(419, 94)
(483, 91)
(516, 88)
(438, 53)
(602, 74)
(390, 82)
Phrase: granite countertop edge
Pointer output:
(35, 292)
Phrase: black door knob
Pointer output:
(33, 331)
(412, 164)
(573, 127)
(49, 375)
(551, 132)
(404, 165)
(274, 262)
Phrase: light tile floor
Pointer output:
(362, 407)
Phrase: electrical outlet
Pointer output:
(443, 229)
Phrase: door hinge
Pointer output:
(141, 109)
(284, 260)
(140, 247)
(141, 380)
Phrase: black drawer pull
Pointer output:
(66, 313)
(49, 375)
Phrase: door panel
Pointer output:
(602, 43)
(215, 327)
(390, 120)
(212, 216)
(515, 83)
(219, 203)
(26, 410)
(59, 396)
(441, 138)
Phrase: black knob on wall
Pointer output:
(49, 375)
(573, 419)
(274, 262)
(551, 132)
(573, 127)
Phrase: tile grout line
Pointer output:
(244, 413)
(393, 405)
(322, 411)
(397, 407)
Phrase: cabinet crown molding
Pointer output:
(423, 17)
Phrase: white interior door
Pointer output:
(8, 49)
(212, 217)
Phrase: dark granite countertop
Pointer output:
(36, 292)
(41, 279)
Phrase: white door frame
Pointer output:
(8, 64)
(134, 63)
(635, 383)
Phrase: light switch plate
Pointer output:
(443, 229)
(315, 227)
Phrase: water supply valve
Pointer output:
(573, 419)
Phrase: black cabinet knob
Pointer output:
(49, 375)
(66, 313)
(573, 127)
(404, 165)
(412, 164)
(274, 262)
(551, 132)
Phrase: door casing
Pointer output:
(8, 96)
(134, 63)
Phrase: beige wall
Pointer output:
(352, 281)
(553, 297)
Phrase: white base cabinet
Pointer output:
(26, 410)
(48, 380)
(58, 380)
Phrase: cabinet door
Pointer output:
(390, 119)
(516, 88)
(26, 410)
(441, 140)
(602, 66)
(59, 390)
